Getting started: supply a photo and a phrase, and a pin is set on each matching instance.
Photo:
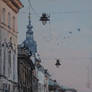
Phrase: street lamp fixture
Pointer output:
(44, 18)
(57, 63)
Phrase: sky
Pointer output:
(54, 41)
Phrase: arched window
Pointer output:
(14, 23)
(9, 20)
(3, 15)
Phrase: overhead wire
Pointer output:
(30, 6)
(72, 12)
(63, 12)
(67, 58)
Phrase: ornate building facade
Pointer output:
(8, 44)
(25, 71)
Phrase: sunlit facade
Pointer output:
(8, 45)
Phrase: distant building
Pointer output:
(8, 44)
(35, 83)
(67, 89)
(25, 71)
(41, 78)
(54, 86)
(46, 81)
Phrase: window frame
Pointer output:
(3, 16)
(9, 62)
(9, 19)
(14, 22)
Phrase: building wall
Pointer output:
(8, 46)
(46, 84)
(27, 81)
(41, 78)
(6, 31)
(25, 76)
(34, 84)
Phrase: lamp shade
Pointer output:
(57, 63)
(44, 18)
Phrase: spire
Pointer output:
(30, 43)
(29, 17)
(29, 25)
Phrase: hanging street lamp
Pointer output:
(44, 18)
(57, 63)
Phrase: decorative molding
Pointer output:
(9, 30)
(9, 45)
(15, 5)
(3, 76)
(18, 3)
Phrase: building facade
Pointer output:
(54, 86)
(25, 71)
(8, 44)
(46, 81)
(41, 78)
(34, 83)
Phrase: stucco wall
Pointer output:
(6, 33)
(11, 32)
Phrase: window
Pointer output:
(9, 62)
(4, 59)
(0, 50)
(3, 15)
(0, 57)
(9, 20)
(0, 35)
(14, 66)
(14, 23)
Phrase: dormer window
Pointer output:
(3, 15)
(9, 20)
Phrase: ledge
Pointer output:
(15, 5)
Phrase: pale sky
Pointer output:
(76, 50)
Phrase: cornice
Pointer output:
(7, 29)
(19, 4)
(15, 5)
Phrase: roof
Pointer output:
(18, 3)
(52, 82)
(14, 4)
(68, 89)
